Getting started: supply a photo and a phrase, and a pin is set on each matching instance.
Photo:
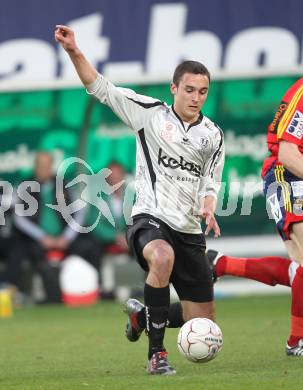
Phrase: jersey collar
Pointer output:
(197, 122)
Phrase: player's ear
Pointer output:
(173, 88)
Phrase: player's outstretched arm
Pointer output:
(66, 37)
(123, 102)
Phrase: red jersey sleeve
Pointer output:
(290, 127)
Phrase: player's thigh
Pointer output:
(198, 309)
(145, 230)
(295, 244)
(292, 250)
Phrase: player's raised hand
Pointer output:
(210, 221)
(66, 37)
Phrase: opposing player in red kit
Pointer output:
(282, 174)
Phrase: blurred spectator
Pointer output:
(112, 238)
(45, 238)
(7, 239)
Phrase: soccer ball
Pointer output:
(200, 340)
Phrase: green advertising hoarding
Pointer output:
(71, 123)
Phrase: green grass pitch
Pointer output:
(53, 347)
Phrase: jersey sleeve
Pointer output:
(211, 183)
(290, 127)
(129, 106)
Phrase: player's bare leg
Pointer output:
(294, 246)
(198, 309)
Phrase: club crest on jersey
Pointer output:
(295, 128)
(168, 131)
(204, 143)
(170, 162)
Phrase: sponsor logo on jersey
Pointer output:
(171, 162)
(274, 124)
(295, 127)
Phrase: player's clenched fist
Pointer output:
(66, 37)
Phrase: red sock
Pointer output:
(296, 331)
(269, 270)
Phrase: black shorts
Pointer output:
(284, 196)
(191, 275)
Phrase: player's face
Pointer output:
(117, 174)
(190, 95)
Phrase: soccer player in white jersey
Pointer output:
(179, 162)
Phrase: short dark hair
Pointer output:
(193, 67)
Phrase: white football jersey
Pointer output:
(177, 163)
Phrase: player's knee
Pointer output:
(162, 259)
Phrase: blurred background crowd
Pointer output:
(38, 242)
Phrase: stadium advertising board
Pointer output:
(149, 37)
